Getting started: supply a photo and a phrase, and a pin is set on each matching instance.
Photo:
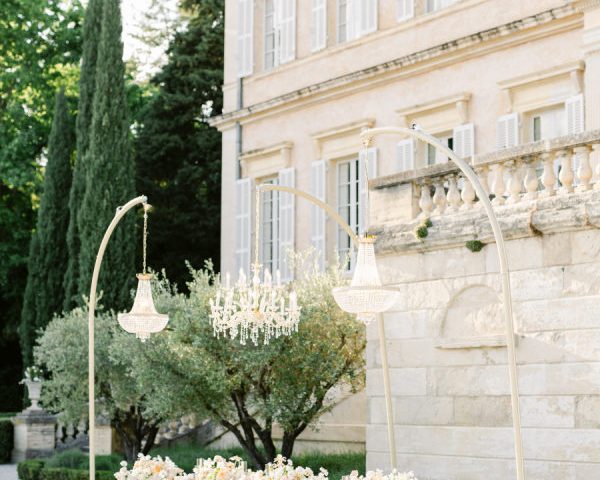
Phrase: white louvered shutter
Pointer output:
(318, 32)
(367, 13)
(286, 224)
(243, 235)
(245, 31)
(405, 10)
(370, 157)
(285, 18)
(352, 19)
(507, 131)
(318, 219)
(575, 114)
(464, 140)
(405, 154)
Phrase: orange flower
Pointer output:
(156, 469)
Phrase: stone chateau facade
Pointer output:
(513, 86)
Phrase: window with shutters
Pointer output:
(317, 214)
(355, 18)
(270, 35)
(405, 155)
(318, 28)
(279, 32)
(575, 114)
(463, 140)
(433, 155)
(243, 204)
(544, 124)
(348, 195)
(269, 235)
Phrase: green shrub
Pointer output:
(73, 474)
(30, 469)
(6, 440)
(68, 459)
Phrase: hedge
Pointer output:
(36, 470)
(6, 440)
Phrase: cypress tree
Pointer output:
(87, 83)
(30, 298)
(178, 155)
(48, 252)
(109, 171)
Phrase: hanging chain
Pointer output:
(256, 225)
(145, 236)
(365, 155)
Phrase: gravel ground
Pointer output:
(8, 472)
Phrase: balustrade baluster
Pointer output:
(565, 176)
(584, 173)
(596, 158)
(498, 186)
(453, 196)
(425, 202)
(439, 197)
(530, 181)
(467, 195)
(548, 177)
(514, 183)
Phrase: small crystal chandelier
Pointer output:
(251, 308)
(143, 319)
(365, 296)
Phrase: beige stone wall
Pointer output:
(495, 56)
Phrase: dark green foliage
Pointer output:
(30, 469)
(421, 232)
(427, 223)
(30, 301)
(6, 440)
(48, 253)
(474, 245)
(109, 171)
(178, 155)
(76, 459)
(39, 51)
(87, 82)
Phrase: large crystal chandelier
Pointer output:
(365, 296)
(254, 308)
(143, 319)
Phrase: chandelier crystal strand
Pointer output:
(251, 308)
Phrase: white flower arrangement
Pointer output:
(218, 468)
(33, 374)
(379, 475)
(148, 468)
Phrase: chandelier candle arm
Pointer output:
(121, 211)
(366, 136)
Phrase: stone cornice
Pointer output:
(521, 31)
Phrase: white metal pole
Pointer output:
(504, 272)
(121, 211)
(388, 391)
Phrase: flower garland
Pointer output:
(219, 468)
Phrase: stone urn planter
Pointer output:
(34, 391)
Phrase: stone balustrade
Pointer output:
(525, 173)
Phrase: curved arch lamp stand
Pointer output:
(367, 136)
(380, 326)
(121, 211)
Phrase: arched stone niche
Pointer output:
(472, 319)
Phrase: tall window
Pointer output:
(546, 123)
(434, 156)
(355, 18)
(348, 194)
(269, 34)
(269, 248)
(342, 21)
(434, 5)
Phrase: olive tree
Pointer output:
(62, 350)
(249, 389)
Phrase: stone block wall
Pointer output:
(448, 359)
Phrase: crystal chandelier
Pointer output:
(365, 296)
(143, 319)
(252, 308)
